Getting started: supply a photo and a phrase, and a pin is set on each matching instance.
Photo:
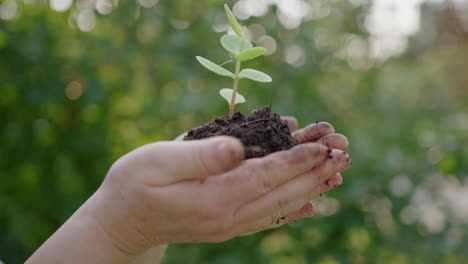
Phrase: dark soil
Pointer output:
(262, 133)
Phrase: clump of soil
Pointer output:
(262, 133)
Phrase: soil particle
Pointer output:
(262, 133)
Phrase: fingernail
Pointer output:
(334, 183)
(223, 147)
(228, 152)
(349, 162)
(344, 164)
(340, 159)
(224, 154)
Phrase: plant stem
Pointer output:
(234, 89)
(236, 79)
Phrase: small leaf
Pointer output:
(251, 54)
(226, 93)
(214, 67)
(232, 43)
(254, 75)
(233, 21)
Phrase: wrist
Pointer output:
(92, 213)
(115, 224)
(122, 220)
(81, 239)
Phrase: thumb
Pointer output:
(201, 158)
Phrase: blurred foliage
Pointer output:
(72, 102)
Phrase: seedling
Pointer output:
(240, 50)
(263, 132)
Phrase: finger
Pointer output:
(259, 176)
(279, 202)
(176, 161)
(313, 132)
(336, 141)
(293, 124)
(202, 158)
(308, 210)
(291, 211)
(331, 183)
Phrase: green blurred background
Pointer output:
(82, 82)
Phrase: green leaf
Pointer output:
(214, 67)
(250, 54)
(255, 75)
(232, 43)
(226, 93)
(233, 21)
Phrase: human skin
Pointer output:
(197, 191)
(320, 132)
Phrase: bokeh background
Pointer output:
(82, 82)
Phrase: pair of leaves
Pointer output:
(242, 51)
(226, 93)
(245, 73)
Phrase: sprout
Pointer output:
(241, 50)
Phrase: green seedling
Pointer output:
(240, 50)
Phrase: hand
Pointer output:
(193, 191)
(203, 191)
(323, 133)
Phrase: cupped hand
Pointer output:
(204, 191)
(322, 133)
(319, 132)
(197, 191)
